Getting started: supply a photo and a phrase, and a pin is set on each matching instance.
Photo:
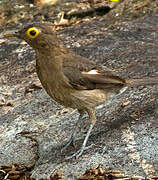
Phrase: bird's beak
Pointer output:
(13, 33)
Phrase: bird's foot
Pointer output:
(78, 153)
(71, 142)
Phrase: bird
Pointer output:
(70, 79)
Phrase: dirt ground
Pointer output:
(33, 127)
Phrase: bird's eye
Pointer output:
(32, 32)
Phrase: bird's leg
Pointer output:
(92, 120)
(71, 141)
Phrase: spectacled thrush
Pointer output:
(70, 79)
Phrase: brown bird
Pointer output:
(70, 79)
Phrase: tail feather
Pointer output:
(143, 81)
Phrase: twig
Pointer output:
(141, 6)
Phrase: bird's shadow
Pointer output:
(57, 155)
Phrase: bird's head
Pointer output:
(39, 36)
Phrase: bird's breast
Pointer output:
(54, 82)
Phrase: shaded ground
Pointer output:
(125, 136)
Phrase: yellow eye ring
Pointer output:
(32, 32)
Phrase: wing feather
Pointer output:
(84, 74)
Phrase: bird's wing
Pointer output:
(83, 74)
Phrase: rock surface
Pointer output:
(33, 127)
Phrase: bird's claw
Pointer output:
(71, 142)
(78, 153)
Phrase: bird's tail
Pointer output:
(143, 81)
